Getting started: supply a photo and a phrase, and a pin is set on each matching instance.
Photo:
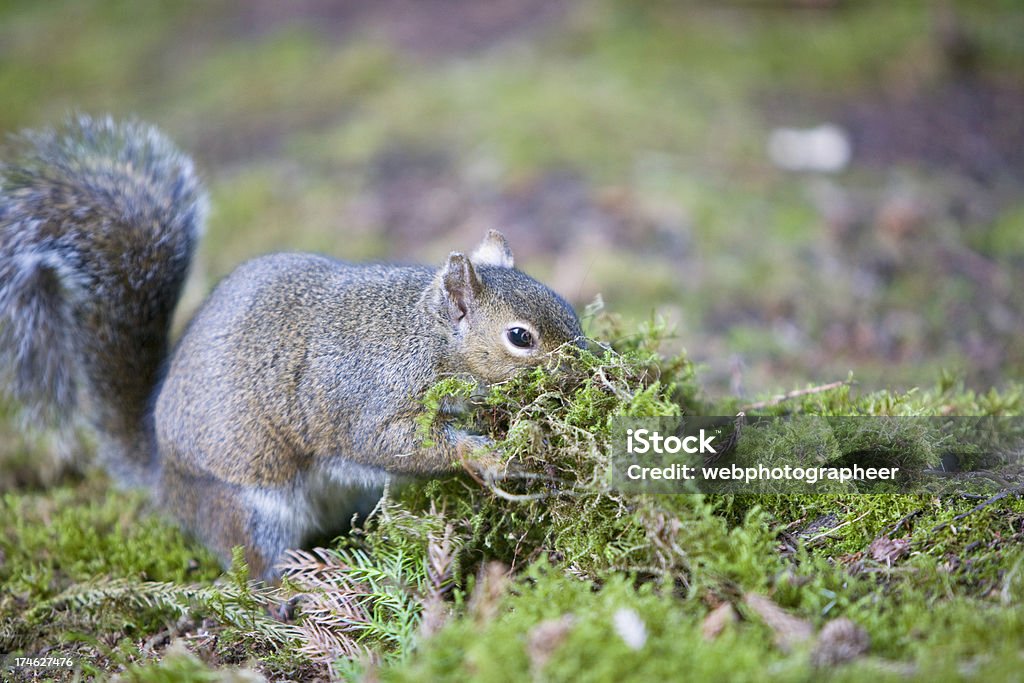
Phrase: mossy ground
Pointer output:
(620, 145)
(548, 572)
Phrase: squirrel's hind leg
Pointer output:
(222, 516)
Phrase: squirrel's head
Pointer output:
(501, 319)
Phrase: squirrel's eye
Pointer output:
(520, 336)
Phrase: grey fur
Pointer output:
(98, 222)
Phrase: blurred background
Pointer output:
(801, 188)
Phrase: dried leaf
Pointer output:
(840, 641)
(491, 586)
(888, 550)
(716, 621)
(546, 637)
(789, 630)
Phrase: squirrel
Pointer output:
(293, 393)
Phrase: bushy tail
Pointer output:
(98, 222)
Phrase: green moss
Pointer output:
(913, 613)
(668, 557)
(586, 648)
(575, 546)
(69, 534)
(529, 639)
(175, 666)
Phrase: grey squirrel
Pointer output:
(295, 389)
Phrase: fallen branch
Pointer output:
(796, 393)
(1016, 491)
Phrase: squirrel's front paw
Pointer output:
(480, 458)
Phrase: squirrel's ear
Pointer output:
(460, 286)
(493, 251)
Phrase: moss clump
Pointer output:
(553, 428)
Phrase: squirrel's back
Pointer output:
(294, 343)
(98, 222)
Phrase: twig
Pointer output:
(515, 497)
(813, 539)
(981, 506)
(796, 393)
(905, 519)
(626, 396)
